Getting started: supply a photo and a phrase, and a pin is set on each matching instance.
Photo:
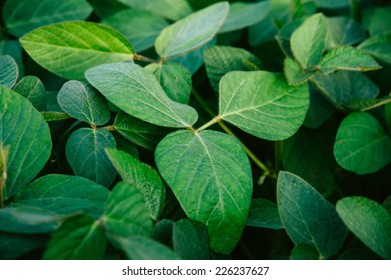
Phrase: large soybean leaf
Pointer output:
(83, 102)
(22, 16)
(219, 60)
(264, 213)
(309, 41)
(362, 145)
(9, 71)
(32, 88)
(344, 31)
(191, 32)
(78, 238)
(68, 49)
(142, 176)
(126, 214)
(379, 46)
(347, 58)
(26, 132)
(137, 92)
(243, 14)
(140, 27)
(369, 221)
(210, 175)
(174, 78)
(307, 216)
(263, 103)
(64, 195)
(85, 153)
(191, 240)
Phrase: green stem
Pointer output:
(109, 128)
(143, 58)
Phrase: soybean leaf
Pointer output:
(192, 31)
(68, 49)
(361, 144)
(33, 89)
(367, 104)
(162, 232)
(243, 14)
(141, 176)
(191, 240)
(85, 153)
(309, 41)
(347, 58)
(139, 27)
(126, 146)
(9, 71)
(15, 245)
(378, 20)
(369, 221)
(379, 46)
(319, 111)
(263, 104)
(26, 132)
(264, 213)
(307, 216)
(126, 214)
(219, 60)
(387, 204)
(284, 36)
(141, 133)
(14, 49)
(358, 254)
(64, 195)
(104, 9)
(55, 116)
(304, 251)
(23, 16)
(174, 78)
(344, 31)
(332, 4)
(294, 74)
(83, 102)
(210, 175)
(137, 92)
(78, 238)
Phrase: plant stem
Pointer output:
(143, 58)
(211, 122)
(109, 128)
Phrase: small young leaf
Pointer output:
(22, 16)
(191, 240)
(174, 78)
(369, 221)
(264, 213)
(309, 41)
(304, 251)
(68, 49)
(137, 92)
(219, 60)
(347, 58)
(78, 238)
(85, 152)
(142, 176)
(55, 116)
(9, 71)
(379, 46)
(307, 216)
(191, 32)
(83, 102)
(362, 145)
(263, 104)
(294, 74)
(33, 89)
(210, 175)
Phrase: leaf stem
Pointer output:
(143, 58)
(109, 128)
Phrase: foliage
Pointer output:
(195, 129)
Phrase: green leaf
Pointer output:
(27, 219)
(243, 14)
(27, 133)
(126, 214)
(191, 240)
(55, 116)
(369, 221)
(139, 27)
(23, 16)
(85, 152)
(219, 60)
(358, 254)
(83, 102)
(78, 238)
(378, 46)
(343, 86)
(14, 49)
(210, 175)
(347, 58)
(137, 92)
(309, 41)
(174, 78)
(9, 71)
(307, 216)
(367, 104)
(378, 20)
(264, 213)
(332, 4)
(294, 74)
(191, 32)
(319, 111)
(304, 252)
(263, 104)
(33, 89)
(15, 245)
(362, 145)
(141, 176)
(68, 49)
(344, 31)
(63, 195)
(141, 133)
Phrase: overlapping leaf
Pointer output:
(9, 71)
